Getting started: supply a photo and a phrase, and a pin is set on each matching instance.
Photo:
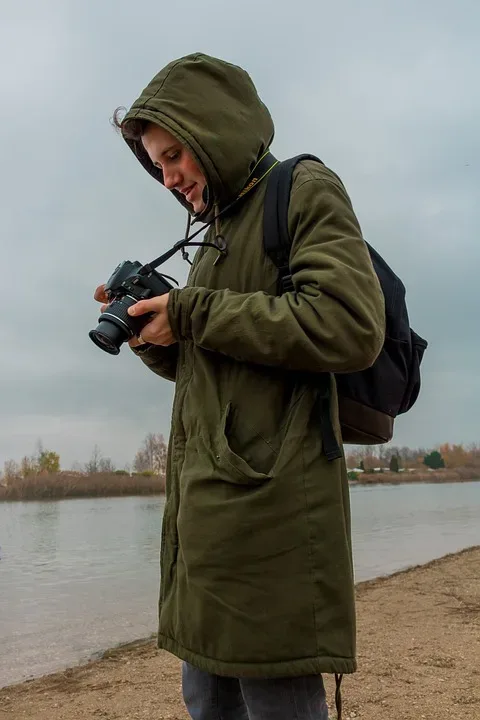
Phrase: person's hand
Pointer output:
(158, 330)
(101, 296)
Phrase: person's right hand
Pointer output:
(101, 296)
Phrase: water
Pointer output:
(398, 526)
(79, 576)
(76, 576)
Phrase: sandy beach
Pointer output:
(418, 653)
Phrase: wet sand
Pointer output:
(418, 655)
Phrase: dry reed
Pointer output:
(77, 485)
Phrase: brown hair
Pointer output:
(132, 129)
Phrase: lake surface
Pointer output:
(80, 576)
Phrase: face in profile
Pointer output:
(180, 171)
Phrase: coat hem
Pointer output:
(283, 668)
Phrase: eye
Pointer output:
(172, 156)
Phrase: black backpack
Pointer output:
(369, 400)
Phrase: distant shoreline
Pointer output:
(457, 475)
(68, 486)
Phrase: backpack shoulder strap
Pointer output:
(276, 238)
(277, 243)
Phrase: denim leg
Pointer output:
(211, 697)
(295, 698)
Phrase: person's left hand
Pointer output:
(158, 330)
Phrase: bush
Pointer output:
(434, 460)
(394, 464)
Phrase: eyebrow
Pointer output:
(170, 147)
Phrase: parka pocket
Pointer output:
(238, 470)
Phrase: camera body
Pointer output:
(125, 287)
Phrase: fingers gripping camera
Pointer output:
(129, 283)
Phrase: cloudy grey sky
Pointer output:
(385, 91)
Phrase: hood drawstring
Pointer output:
(185, 255)
(220, 241)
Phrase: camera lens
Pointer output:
(108, 336)
(115, 326)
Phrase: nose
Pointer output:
(171, 178)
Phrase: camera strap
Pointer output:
(266, 163)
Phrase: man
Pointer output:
(257, 594)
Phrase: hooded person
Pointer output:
(257, 587)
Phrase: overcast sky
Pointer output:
(385, 92)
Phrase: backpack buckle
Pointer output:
(285, 279)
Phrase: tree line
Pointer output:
(394, 458)
(150, 460)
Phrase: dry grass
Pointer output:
(75, 485)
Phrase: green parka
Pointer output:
(256, 562)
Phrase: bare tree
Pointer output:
(93, 465)
(11, 471)
(39, 449)
(152, 456)
(28, 466)
(106, 465)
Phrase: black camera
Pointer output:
(129, 283)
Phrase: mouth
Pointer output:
(188, 190)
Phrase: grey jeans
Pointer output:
(211, 697)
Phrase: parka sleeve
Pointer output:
(334, 319)
(161, 360)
